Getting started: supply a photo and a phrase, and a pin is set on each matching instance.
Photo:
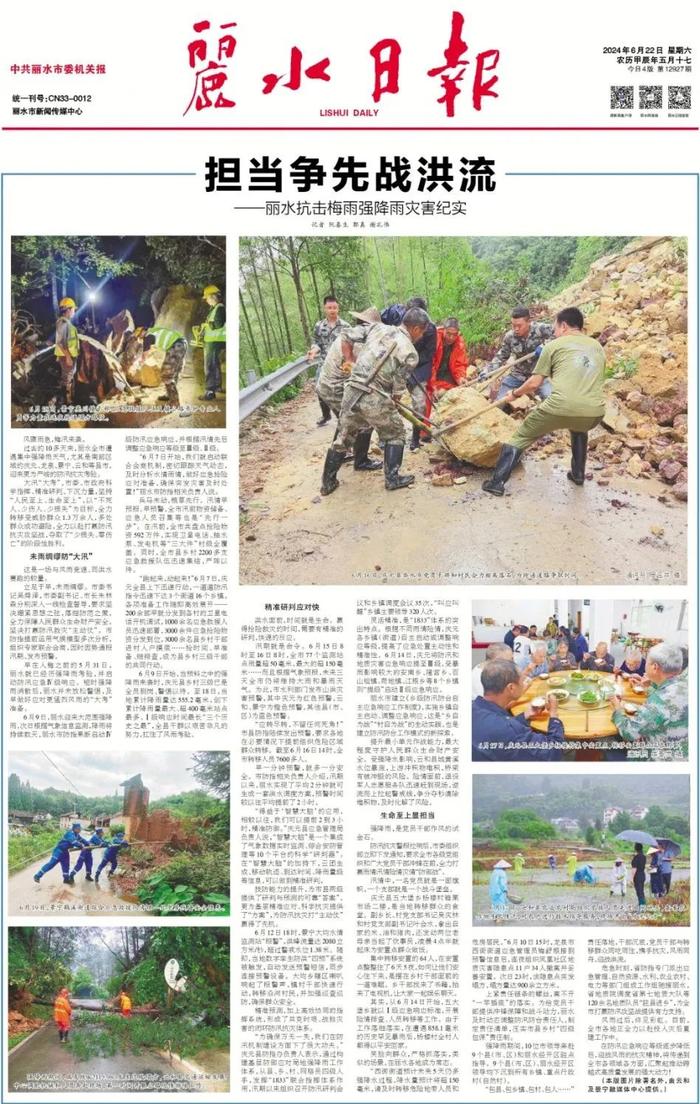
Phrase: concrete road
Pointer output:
(51, 897)
(43, 1064)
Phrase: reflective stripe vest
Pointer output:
(71, 342)
(62, 1010)
(165, 339)
(211, 332)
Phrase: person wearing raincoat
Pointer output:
(498, 889)
(571, 864)
(124, 1003)
(518, 863)
(618, 881)
(62, 1012)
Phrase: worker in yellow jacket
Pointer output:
(214, 338)
(67, 347)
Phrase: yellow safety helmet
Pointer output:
(67, 302)
(212, 289)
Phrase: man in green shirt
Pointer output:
(575, 364)
(658, 731)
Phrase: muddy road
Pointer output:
(544, 531)
(52, 897)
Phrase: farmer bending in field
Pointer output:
(575, 364)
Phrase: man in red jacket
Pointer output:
(450, 361)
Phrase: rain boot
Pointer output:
(415, 439)
(89, 878)
(393, 455)
(37, 878)
(509, 457)
(579, 449)
(325, 413)
(361, 448)
(329, 483)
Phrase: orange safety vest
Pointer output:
(62, 1012)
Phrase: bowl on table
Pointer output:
(556, 680)
(560, 695)
(588, 698)
(538, 705)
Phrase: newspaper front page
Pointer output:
(349, 737)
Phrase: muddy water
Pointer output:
(548, 901)
(544, 530)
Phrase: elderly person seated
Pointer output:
(497, 736)
(658, 731)
(538, 664)
(633, 665)
(494, 651)
(600, 660)
(563, 659)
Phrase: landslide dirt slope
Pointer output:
(636, 304)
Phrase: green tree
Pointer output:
(212, 770)
(53, 267)
(523, 824)
(620, 823)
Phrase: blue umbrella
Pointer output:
(633, 835)
(671, 848)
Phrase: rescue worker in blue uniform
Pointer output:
(85, 856)
(61, 854)
(111, 855)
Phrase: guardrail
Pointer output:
(256, 394)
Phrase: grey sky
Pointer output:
(98, 771)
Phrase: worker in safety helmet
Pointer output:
(110, 858)
(70, 841)
(214, 338)
(84, 859)
(67, 347)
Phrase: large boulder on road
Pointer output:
(477, 441)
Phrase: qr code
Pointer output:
(622, 97)
(679, 96)
(650, 97)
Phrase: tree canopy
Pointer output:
(283, 281)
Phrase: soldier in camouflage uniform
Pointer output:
(334, 372)
(658, 731)
(175, 347)
(525, 336)
(381, 371)
(325, 333)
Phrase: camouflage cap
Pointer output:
(355, 334)
(369, 316)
